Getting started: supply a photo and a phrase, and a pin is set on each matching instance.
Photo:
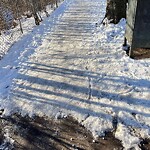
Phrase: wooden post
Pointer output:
(131, 52)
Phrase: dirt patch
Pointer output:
(145, 144)
(141, 53)
(42, 133)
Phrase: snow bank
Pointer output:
(127, 83)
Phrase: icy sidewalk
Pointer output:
(70, 67)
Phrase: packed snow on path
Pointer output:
(68, 66)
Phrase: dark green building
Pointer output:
(138, 24)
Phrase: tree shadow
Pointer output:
(67, 96)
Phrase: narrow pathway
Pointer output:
(73, 72)
(58, 75)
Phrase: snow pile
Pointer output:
(8, 141)
(127, 85)
(129, 141)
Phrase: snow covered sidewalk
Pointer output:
(67, 66)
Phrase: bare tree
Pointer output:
(6, 16)
(18, 8)
(18, 14)
(116, 10)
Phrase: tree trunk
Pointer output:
(56, 4)
(36, 18)
(116, 10)
(20, 24)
